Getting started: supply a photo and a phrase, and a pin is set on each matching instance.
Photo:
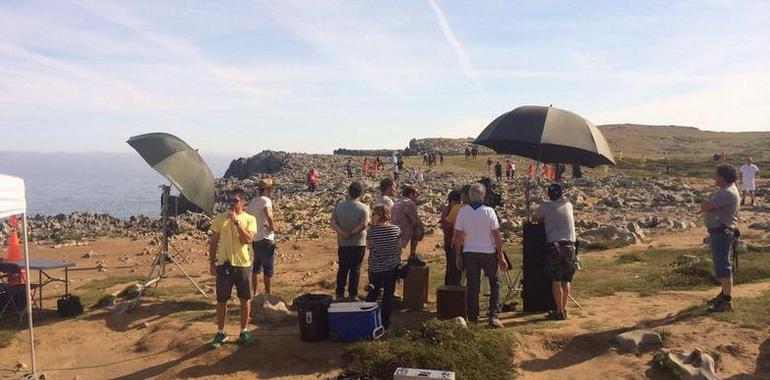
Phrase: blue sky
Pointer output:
(239, 77)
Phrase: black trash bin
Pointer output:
(313, 315)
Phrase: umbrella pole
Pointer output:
(29, 300)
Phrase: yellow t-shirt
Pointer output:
(230, 248)
(452, 216)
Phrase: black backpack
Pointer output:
(69, 306)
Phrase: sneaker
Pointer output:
(494, 323)
(245, 338)
(721, 305)
(561, 316)
(552, 315)
(715, 299)
(218, 340)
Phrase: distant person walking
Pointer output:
(349, 168)
(230, 234)
(312, 180)
(720, 215)
(561, 260)
(384, 257)
(467, 153)
(489, 166)
(474, 152)
(365, 166)
(749, 173)
(349, 220)
(498, 171)
(478, 246)
(405, 216)
(509, 168)
(441, 158)
(263, 245)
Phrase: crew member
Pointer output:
(561, 260)
(720, 215)
(263, 245)
(230, 234)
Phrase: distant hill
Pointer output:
(634, 140)
(654, 141)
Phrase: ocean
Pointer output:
(120, 184)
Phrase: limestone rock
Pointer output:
(269, 308)
(637, 341)
(696, 365)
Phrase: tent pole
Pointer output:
(29, 300)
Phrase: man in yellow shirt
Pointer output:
(230, 235)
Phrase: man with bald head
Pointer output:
(749, 172)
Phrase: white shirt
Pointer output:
(257, 208)
(477, 226)
(748, 171)
(383, 200)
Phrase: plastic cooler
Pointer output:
(351, 321)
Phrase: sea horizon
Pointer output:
(118, 183)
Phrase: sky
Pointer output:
(239, 77)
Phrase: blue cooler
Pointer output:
(351, 321)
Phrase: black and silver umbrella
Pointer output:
(547, 134)
(180, 164)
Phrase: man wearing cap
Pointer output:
(561, 260)
(230, 261)
(263, 245)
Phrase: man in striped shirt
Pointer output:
(384, 256)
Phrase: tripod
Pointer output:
(162, 257)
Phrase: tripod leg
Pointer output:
(571, 298)
(179, 255)
(203, 293)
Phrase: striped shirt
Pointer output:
(384, 250)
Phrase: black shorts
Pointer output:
(264, 256)
(560, 263)
(227, 276)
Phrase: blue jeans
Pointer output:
(721, 244)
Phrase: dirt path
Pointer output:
(167, 338)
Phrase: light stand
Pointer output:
(158, 267)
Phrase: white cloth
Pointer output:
(257, 209)
(477, 226)
(559, 220)
(12, 198)
(748, 172)
(383, 200)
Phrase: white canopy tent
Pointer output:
(13, 201)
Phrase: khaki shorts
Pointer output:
(227, 276)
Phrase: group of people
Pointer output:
(471, 152)
(388, 228)
(472, 243)
(431, 158)
(510, 169)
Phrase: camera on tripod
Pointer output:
(175, 205)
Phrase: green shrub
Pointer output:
(472, 353)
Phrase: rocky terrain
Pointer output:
(611, 207)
